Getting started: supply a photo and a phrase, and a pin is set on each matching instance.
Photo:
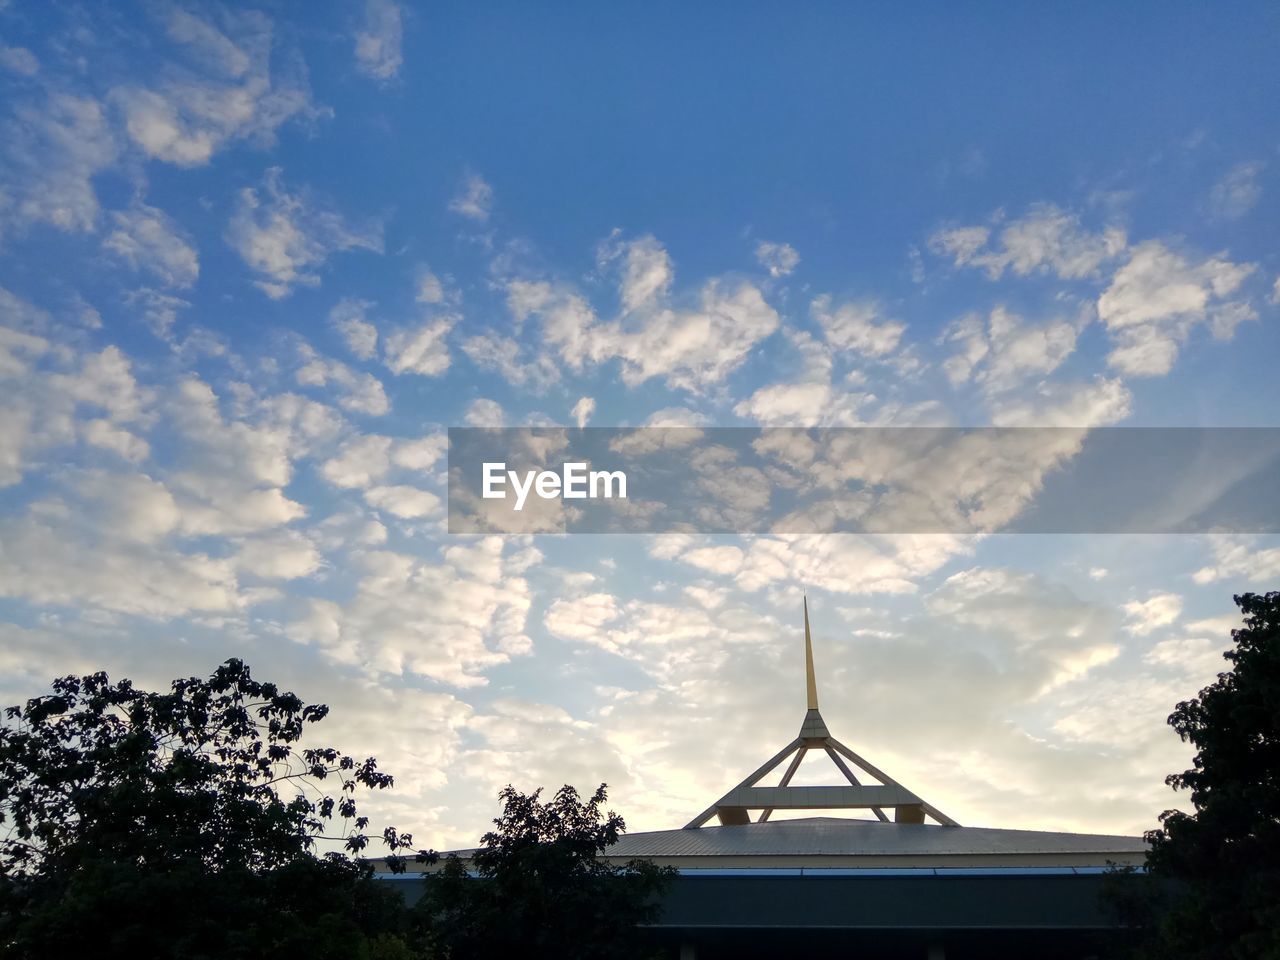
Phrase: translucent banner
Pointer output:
(864, 480)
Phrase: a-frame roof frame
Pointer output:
(735, 806)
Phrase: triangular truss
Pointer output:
(735, 807)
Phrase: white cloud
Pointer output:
(19, 60)
(403, 501)
(15, 441)
(723, 560)
(105, 381)
(567, 319)
(962, 243)
(362, 461)
(378, 52)
(98, 388)
(484, 413)
(430, 288)
(1237, 192)
(676, 417)
(1220, 626)
(131, 507)
(1069, 635)
(148, 239)
(23, 322)
(581, 618)
(1097, 403)
(364, 394)
(359, 392)
(1123, 717)
(46, 561)
(51, 395)
(1234, 558)
(811, 398)
(788, 404)
(1158, 610)
(421, 454)
(582, 410)
(53, 152)
(1045, 240)
(475, 200)
(528, 743)
(114, 542)
(691, 349)
(226, 505)
(836, 562)
(284, 237)
(285, 555)
(695, 347)
(780, 259)
(501, 354)
(349, 319)
(1157, 297)
(232, 472)
(1003, 352)
(158, 310)
(103, 433)
(448, 618)
(226, 476)
(647, 272)
(1199, 658)
(815, 397)
(349, 527)
(230, 92)
(421, 349)
(208, 43)
(359, 462)
(857, 326)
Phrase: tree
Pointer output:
(185, 824)
(1223, 860)
(541, 888)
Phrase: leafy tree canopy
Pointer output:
(1224, 858)
(540, 888)
(184, 824)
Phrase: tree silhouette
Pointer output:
(1222, 862)
(185, 824)
(541, 888)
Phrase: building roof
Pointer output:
(833, 842)
(825, 843)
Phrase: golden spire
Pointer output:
(811, 682)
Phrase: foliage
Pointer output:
(1223, 860)
(184, 824)
(541, 888)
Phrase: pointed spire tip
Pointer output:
(811, 683)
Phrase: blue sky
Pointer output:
(255, 259)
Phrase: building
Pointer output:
(911, 883)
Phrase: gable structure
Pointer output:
(882, 793)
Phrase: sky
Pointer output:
(256, 259)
